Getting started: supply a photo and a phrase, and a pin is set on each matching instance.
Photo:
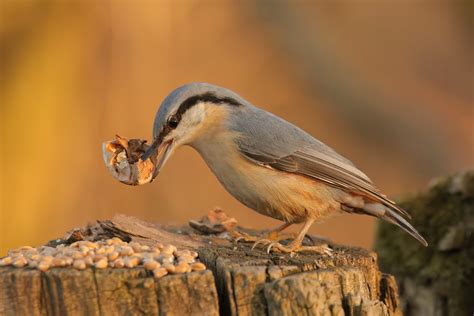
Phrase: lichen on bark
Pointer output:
(439, 279)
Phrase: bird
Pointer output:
(268, 164)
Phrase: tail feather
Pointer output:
(392, 216)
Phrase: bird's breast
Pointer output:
(274, 193)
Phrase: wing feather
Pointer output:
(275, 143)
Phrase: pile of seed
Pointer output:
(113, 253)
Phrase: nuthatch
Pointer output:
(267, 163)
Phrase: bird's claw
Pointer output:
(241, 236)
(265, 239)
(274, 245)
(269, 248)
(236, 240)
(320, 249)
(262, 241)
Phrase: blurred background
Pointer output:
(388, 84)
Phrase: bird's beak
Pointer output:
(162, 150)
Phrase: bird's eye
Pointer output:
(173, 122)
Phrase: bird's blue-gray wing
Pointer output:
(270, 141)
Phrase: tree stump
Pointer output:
(439, 279)
(240, 281)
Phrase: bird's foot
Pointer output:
(265, 239)
(323, 249)
(241, 236)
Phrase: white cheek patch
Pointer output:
(194, 116)
(189, 124)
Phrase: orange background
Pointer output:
(388, 85)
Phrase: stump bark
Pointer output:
(439, 279)
(239, 280)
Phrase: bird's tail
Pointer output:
(392, 216)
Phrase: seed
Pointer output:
(99, 257)
(115, 241)
(77, 255)
(109, 250)
(198, 266)
(67, 251)
(92, 245)
(155, 250)
(186, 258)
(137, 260)
(6, 261)
(89, 262)
(113, 255)
(183, 267)
(169, 267)
(101, 264)
(179, 253)
(160, 272)
(32, 264)
(131, 262)
(151, 265)
(44, 265)
(20, 262)
(58, 262)
(135, 246)
(165, 258)
(148, 256)
(168, 249)
(140, 256)
(45, 250)
(179, 270)
(81, 243)
(36, 257)
(119, 263)
(126, 251)
(79, 264)
(100, 251)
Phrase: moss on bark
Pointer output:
(439, 279)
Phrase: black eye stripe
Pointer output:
(206, 97)
(175, 119)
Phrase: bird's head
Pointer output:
(187, 114)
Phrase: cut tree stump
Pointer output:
(439, 279)
(240, 281)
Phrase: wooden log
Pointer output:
(240, 281)
(253, 282)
